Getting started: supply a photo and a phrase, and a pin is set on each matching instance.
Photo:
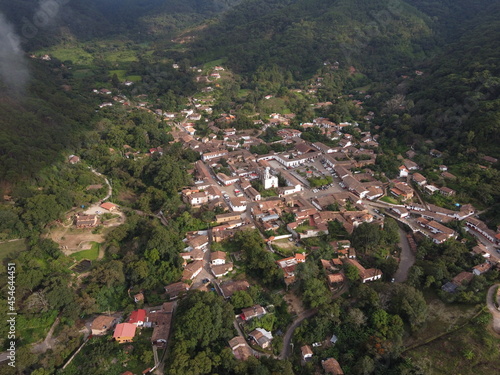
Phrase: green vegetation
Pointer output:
(90, 254)
(388, 199)
(11, 248)
(33, 328)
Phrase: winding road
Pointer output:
(285, 352)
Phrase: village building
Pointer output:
(255, 311)
(240, 348)
(109, 206)
(102, 324)
(306, 352)
(124, 332)
(222, 269)
(176, 290)
(228, 288)
(217, 258)
(138, 317)
(85, 221)
(261, 337)
(366, 275)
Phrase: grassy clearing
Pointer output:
(214, 63)
(91, 254)
(7, 249)
(388, 199)
(121, 74)
(134, 78)
(121, 56)
(34, 328)
(75, 54)
(469, 351)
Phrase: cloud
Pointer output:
(14, 72)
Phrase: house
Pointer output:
(370, 274)
(222, 269)
(73, 159)
(108, 206)
(402, 190)
(217, 258)
(419, 179)
(307, 352)
(331, 366)
(481, 228)
(124, 332)
(400, 211)
(230, 287)
(85, 221)
(289, 264)
(224, 218)
(138, 317)
(261, 337)
(335, 278)
(240, 348)
(446, 191)
(102, 324)
(238, 204)
(176, 289)
(192, 270)
(463, 277)
(403, 171)
(481, 268)
(255, 311)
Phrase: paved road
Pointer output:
(490, 297)
(285, 352)
(407, 258)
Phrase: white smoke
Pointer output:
(14, 72)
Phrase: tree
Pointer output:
(409, 303)
(241, 299)
(316, 294)
(351, 272)
(366, 237)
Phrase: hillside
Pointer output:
(299, 35)
(456, 100)
(42, 24)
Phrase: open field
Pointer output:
(472, 350)
(91, 254)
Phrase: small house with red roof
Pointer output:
(138, 317)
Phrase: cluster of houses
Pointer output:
(465, 277)
(160, 319)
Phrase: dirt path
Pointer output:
(490, 298)
(48, 343)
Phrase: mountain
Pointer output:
(299, 35)
(456, 100)
(44, 23)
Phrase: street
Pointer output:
(407, 258)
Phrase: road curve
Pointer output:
(285, 352)
(490, 297)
